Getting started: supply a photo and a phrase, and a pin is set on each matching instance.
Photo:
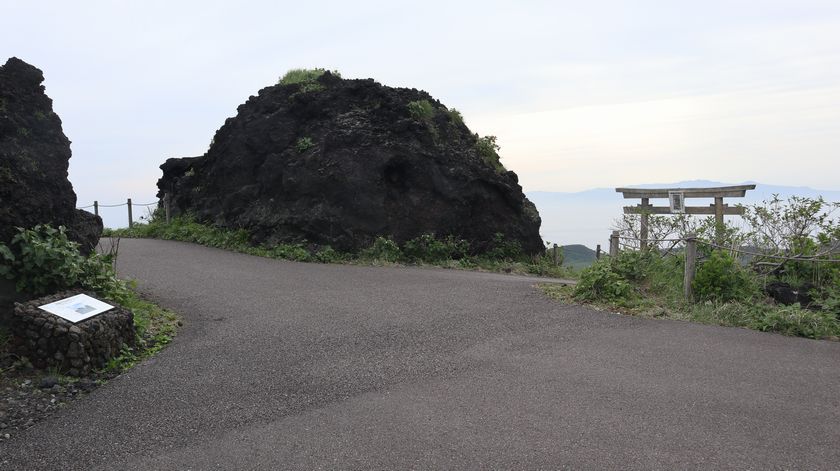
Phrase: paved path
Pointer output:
(303, 366)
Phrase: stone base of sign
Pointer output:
(49, 341)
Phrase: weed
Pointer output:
(489, 151)
(421, 110)
(455, 116)
(427, 248)
(304, 75)
(304, 144)
(383, 249)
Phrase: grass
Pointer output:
(652, 288)
(426, 250)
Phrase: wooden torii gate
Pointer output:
(677, 196)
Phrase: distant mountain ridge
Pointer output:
(586, 217)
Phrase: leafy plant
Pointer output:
(42, 260)
(383, 249)
(306, 78)
(455, 116)
(504, 249)
(427, 248)
(600, 282)
(488, 150)
(421, 110)
(721, 278)
(303, 144)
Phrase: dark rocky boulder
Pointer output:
(339, 162)
(34, 156)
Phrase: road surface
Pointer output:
(283, 365)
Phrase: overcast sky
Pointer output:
(580, 94)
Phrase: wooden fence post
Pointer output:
(690, 265)
(554, 252)
(598, 252)
(96, 208)
(614, 244)
(166, 206)
(130, 218)
(643, 224)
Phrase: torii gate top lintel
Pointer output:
(721, 191)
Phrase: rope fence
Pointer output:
(129, 204)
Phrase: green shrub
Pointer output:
(304, 144)
(42, 260)
(429, 249)
(421, 110)
(599, 282)
(304, 75)
(328, 254)
(793, 320)
(455, 116)
(383, 249)
(504, 249)
(296, 252)
(488, 150)
(721, 278)
(633, 265)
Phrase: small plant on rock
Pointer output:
(304, 144)
(488, 150)
(421, 110)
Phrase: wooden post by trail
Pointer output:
(690, 265)
(96, 208)
(555, 254)
(643, 225)
(130, 218)
(166, 206)
(614, 244)
(598, 252)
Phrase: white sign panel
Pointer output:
(76, 308)
(677, 199)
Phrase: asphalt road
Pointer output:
(283, 365)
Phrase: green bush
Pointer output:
(296, 252)
(633, 265)
(42, 260)
(421, 110)
(793, 320)
(429, 249)
(304, 144)
(304, 75)
(488, 150)
(599, 282)
(504, 249)
(383, 249)
(721, 278)
(455, 116)
(328, 254)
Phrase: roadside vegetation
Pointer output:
(777, 273)
(426, 250)
(42, 260)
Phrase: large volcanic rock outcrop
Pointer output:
(34, 156)
(339, 162)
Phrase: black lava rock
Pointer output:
(340, 162)
(34, 156)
